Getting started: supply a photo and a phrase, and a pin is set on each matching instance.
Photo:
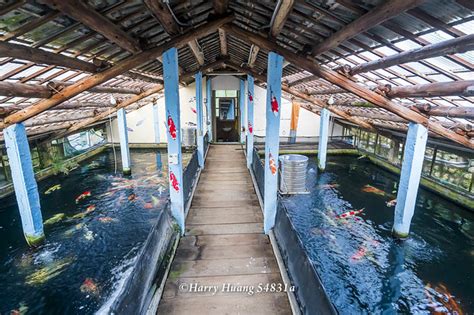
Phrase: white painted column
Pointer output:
(209, 109)
(123, 134)
(243, 120)
(200, 120)
(156, 122)
(24, 183)
(410, 176)
(323, 138)
(250, 110)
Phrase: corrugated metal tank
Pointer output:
(293, 173)
(188, 137)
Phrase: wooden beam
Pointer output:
(197, 51)
(466, 3)
(447, 111)
(83, 13)
(281, 14)
(62, 116)
(329, 91)
(303, 80)
(301, 95)
(163, 15)
(254, 49)
(379, 14)
(455, 88)
(447, 47)
(59, 85)
(220, 6)
(343, 82)
(223, 42)
(119, 68)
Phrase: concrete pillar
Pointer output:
(209, 109)
(123, 134)
(250, 104)
(156, 123)
(199, 112)
(412, 166)
(243, 120)
(272, 138)
(175, 165)
(26, 190)
(323, 138)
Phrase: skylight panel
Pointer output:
(407, 45)
(386, 51)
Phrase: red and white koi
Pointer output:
(272, 164)
(90, 209)
(350, 214)
(82, 196)
(250, 127)
(171, 127)
(274, 105)
(174, 181)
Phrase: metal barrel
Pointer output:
(293, 173)
(188, 137)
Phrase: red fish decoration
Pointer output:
(272, 164)
(274, 104)
(250, 127)
(349, 214)
(171, 127)
(82, 196)
(193, 110)
(174, 182)
(250, 97)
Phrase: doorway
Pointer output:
(227, 120)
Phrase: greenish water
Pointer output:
(363, 269)
(94, 241)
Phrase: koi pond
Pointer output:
(365, 270)
(96, 221)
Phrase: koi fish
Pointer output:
(328, 186)
(132, 197)
(349, 214)
(106, 219)
(83, 196)
(90, 209)
(171, 127)
(193, 110)
(174, 182)
(52, 188)
(89, 286)
(361, 252)
(373, 190)
(250, 97)
(46, 273)
(148, 205)
(250, 127)
(75, 228)
(54, 219)
(272, 164)
(23, 309)
(274, 104)
(391, 203)
(440, 295)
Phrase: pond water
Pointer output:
(365, 270)
(95, 224)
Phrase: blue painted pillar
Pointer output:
(156, 122)
(250, 89)
(123, 134)
(272, 138)
(323, 138)
(26, 190)
(199, 111)
(412, 166)
(209, 109)
(175, 166)
(243, 120)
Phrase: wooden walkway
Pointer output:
(224, 245)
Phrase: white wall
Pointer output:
(141, 121)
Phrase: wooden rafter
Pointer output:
(220, 6)
(456, 88)
(280, 16)
(119, 68)
(83, 13)
(223, 42)
(197, 51)
(345, 83)
(163, 15)
(254, 49)
(379, 14)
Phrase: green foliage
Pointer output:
(60, 165)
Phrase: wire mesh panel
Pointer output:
(206, 142)
(189, 177)
(258, 171)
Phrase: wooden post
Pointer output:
(175, 163)
(26, 189)
(250, 111)
(123, 135)
(323, 138)
(272, 139)
(199, 111)
(412, 166)
(242, 111)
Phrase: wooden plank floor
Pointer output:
(224, 244)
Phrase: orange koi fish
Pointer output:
(90, 208)
(440, 295)
(132, 197)
(83, 196)
(171, 127)
(148, 205)
(349, 214)
(361, 252)
(174, 181)
(274, 105)
(373, 190)
(89, 286)
(272, 164)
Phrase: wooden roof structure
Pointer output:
(377, 64)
